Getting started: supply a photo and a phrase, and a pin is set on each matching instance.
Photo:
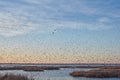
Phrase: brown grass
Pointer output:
(42, 68)
(14, 77)
(101, 73)
(30, 68)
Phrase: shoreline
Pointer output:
(42, 68)
(105, 72)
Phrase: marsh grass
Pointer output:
(14, 77)
(30, 68)
(101, 73)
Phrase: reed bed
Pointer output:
(100, 73)
(14, 77)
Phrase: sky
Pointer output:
(59, 31)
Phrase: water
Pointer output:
(62, 74)
(59, 65)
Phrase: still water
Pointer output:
(62, 74)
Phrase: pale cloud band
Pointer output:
(25, 16)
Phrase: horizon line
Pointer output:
(64, 63)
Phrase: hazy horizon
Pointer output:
(60, 31)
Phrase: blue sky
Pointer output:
(66, 29)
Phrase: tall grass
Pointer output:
(14, 77)
(30, 68)
(101, 73)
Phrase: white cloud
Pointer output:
(104, 20)
(50, 25)
(37, 1)
(43, 16)
(11, 25)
